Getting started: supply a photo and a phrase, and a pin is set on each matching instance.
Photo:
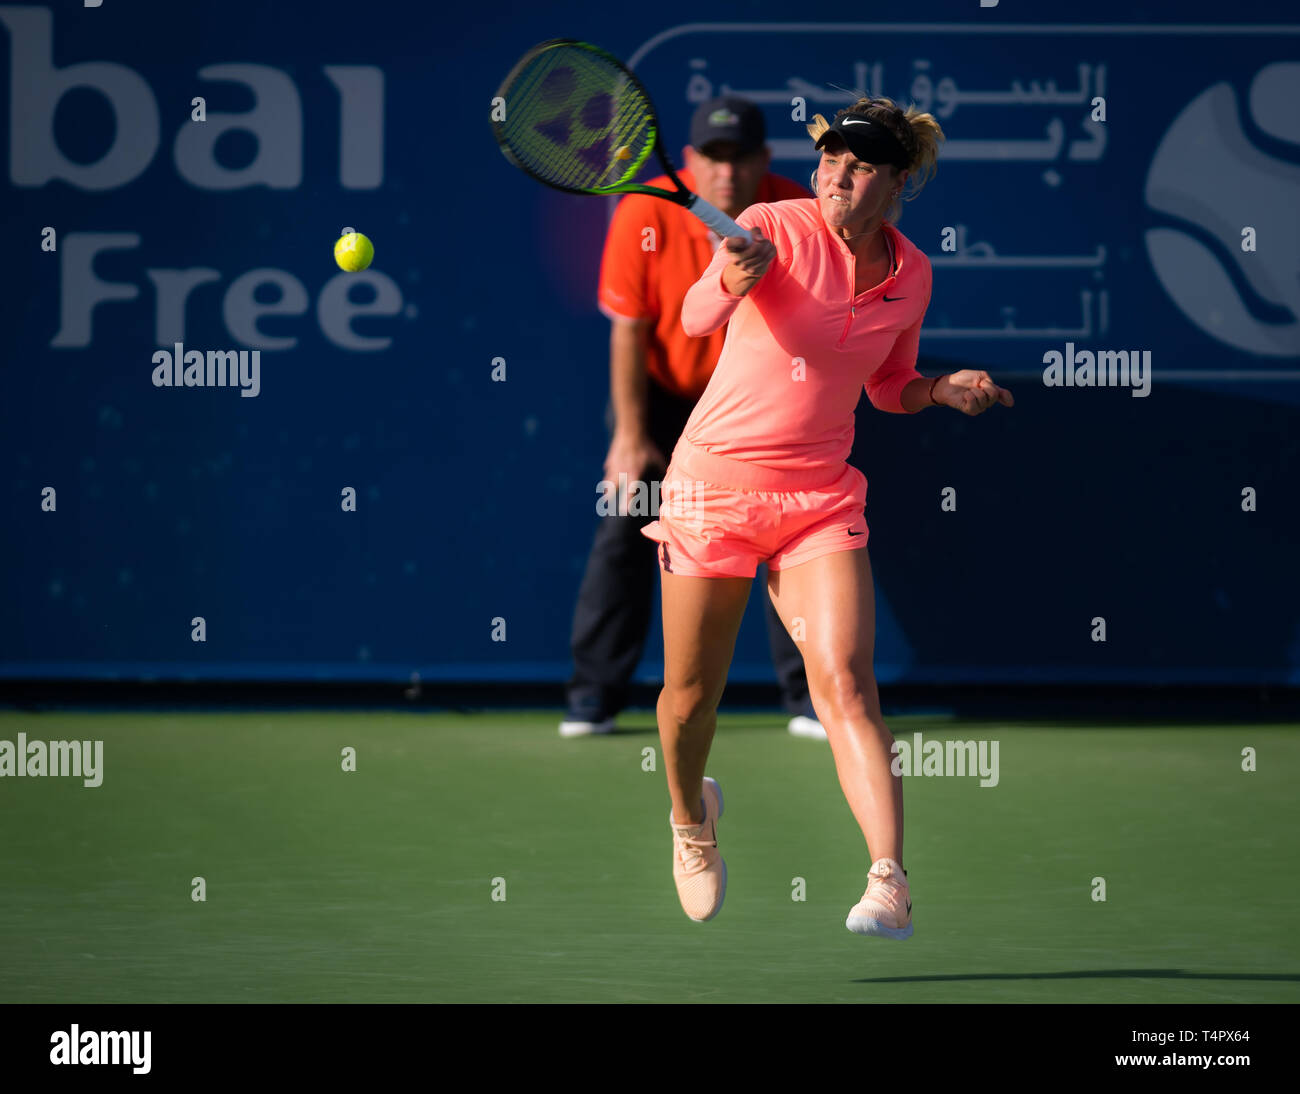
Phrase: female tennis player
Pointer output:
(828, 298)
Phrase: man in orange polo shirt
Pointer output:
(654, 252)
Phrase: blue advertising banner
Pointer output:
(230, 459)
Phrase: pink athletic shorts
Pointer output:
(720, 517)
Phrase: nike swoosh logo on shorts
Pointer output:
(853, 533)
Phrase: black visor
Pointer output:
(870, 141)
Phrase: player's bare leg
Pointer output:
(701, 620)
(834, 597)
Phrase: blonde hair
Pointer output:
(918, 133)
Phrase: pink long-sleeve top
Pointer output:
(800, 346)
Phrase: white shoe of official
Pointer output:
(586, 729)
(802, 726)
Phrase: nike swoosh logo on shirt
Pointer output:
(891, 299)
(853, 533)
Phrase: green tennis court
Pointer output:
(378, 884)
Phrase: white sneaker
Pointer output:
(586, 729)
(802, 726)
(885, 909)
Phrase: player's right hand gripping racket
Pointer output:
(575, 118)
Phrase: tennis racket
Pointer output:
(574, 117)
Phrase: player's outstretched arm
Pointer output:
(972, 391)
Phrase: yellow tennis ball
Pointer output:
(624, 153)
(353, 252)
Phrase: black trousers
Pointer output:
(612, 616)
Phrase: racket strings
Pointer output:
(575, 121)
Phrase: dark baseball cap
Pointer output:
(737, 121)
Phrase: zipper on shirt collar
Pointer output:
(853, 308)
(845, 332)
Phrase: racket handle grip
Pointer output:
(716, 219)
